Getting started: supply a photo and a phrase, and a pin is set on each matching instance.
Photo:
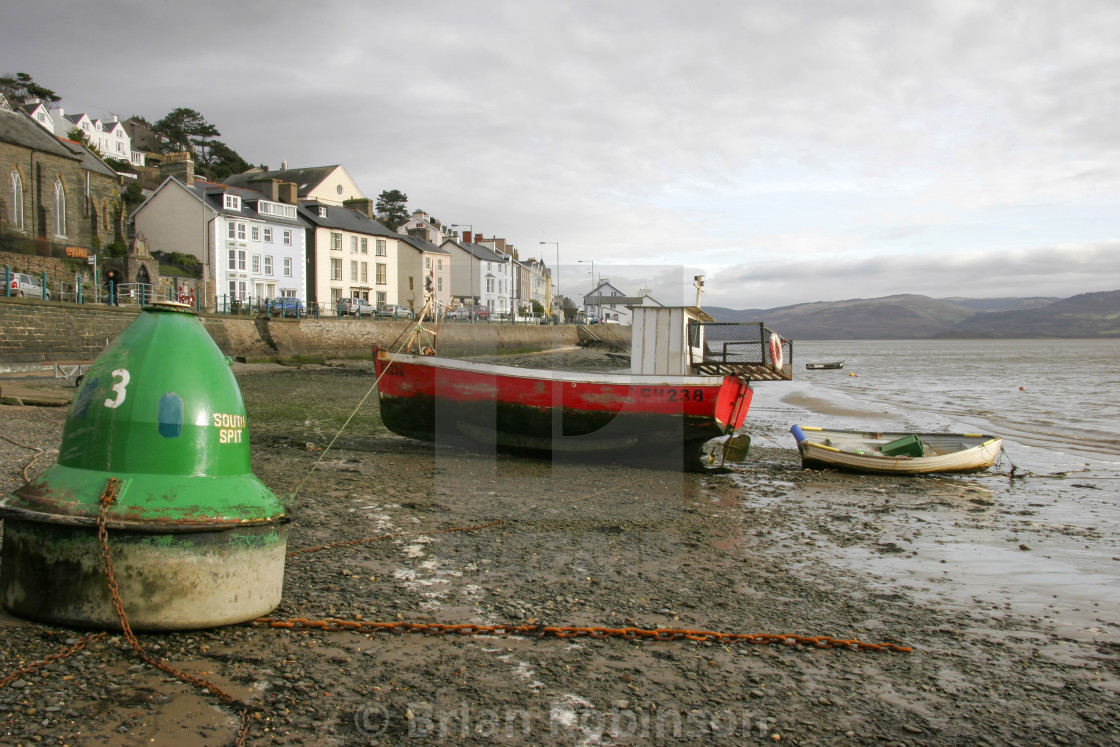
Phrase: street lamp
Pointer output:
(557, 245)
(470, 226)
(583, 262)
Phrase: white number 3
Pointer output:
(122, 374)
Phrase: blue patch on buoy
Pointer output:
(170, 415)
(85, 397)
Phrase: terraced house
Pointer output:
(251, 243)
(350, 255)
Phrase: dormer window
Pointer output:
(322, 211)
(233, 202)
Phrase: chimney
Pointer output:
(363, 205)
(477, 239)
(178, 165)
(270, 188)
(288, 193)
(283, 165)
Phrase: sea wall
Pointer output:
(34, 331)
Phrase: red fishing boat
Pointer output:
(674, 399)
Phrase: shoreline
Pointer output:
(764, 548)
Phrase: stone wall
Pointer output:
(60, 272)
(33, 331)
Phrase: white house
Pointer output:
(481, 275)
(252, 246)
(113, 140)
(607, 303)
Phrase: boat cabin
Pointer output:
(687, 341)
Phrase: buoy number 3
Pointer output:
(121, 378)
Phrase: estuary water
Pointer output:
(1047, 545)
(1056, 402)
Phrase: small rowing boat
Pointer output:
(896, 453)
(823, 366)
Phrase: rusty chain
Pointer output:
(571, 631)
(66, 653)
(112, 488)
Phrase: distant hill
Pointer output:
(1001, 304)
(919, 317)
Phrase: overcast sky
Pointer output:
(790, 151)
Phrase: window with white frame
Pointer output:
(256, 264)
(241, 259)
(439, 284)
(287, 237)
(233, 259)
(489, 285)
(240, 231)
(382, 249)
(427, 263)
(231, 231)
(381, 273)
(268, 235)
(336, 242)
(336, 269)
(354, 271)
(353, 244)
(255, 232)
(276, 208)
(232, 202)
(59, 208)
(365, 272)
(382, 297)
(15, 200)
(439, 264)
(287, 267)
(365, 245)
(268, 264)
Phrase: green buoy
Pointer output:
(158, 432)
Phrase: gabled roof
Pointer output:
(422, 245)
(478, 251)
(344, 219)
(213, 194)
(305, 179)
(17, 128)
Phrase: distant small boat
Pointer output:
(822, 366)
(896, 453)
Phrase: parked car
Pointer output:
(287, 306)
(28, 286)
(356, 306)
(393, 310)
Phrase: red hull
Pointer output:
(656, 417)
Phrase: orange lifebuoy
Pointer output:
(776, 357)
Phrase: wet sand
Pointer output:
(1004, 651)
